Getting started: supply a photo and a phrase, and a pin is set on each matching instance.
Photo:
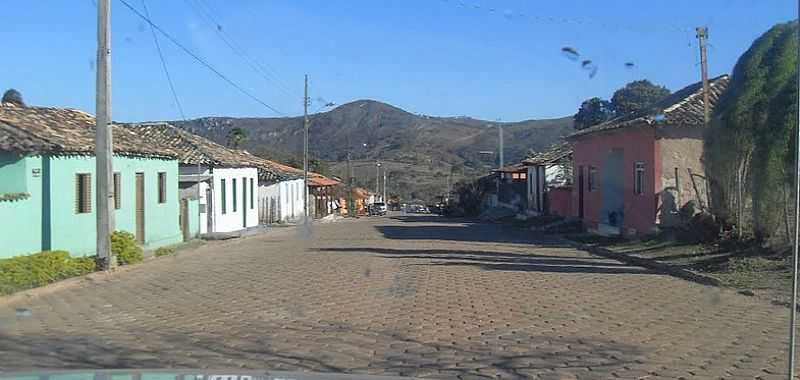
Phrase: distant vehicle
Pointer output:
(417, 209)
(378, 208)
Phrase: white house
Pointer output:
(224, 180)
(549, 176)
(280, 193)
(281, 202)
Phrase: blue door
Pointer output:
(613, 193)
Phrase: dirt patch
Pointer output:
(745, 267)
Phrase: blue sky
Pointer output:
(499, 60)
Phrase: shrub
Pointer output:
(164, 251)
(41, 268)
(124, 247)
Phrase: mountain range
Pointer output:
(419, 151)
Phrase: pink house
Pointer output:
(633, 173)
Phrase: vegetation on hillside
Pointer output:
(369, 131)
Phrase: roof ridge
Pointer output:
(711, 83)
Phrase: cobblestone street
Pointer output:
(408, 295)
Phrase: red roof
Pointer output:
(319, 181)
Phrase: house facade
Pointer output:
(48, 193)
(222, 181)
(323, 201)
(632, 174)
(550, 180)
(512, 190)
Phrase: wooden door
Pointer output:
(140, 208)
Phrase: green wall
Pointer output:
(194, 217)
(47, 220)
(20, 220)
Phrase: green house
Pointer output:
(47, 184)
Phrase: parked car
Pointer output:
(378, 208)
(417, 209)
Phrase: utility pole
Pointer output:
(795, 256)
(377, 179)
(305, 153)
(103, 148)
(384, 186)
(501, 163)
(350, 205)
(702, 35)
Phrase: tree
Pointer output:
(236, 136)
(750, 142)
(593, 111)
(637, 96)
(13, 96)
(318, 166)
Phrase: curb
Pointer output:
(646, 263)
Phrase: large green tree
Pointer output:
(593, 111)
(750, 143)
(236, 136)
(637, 96)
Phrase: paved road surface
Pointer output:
(418, 296)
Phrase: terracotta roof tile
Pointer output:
(555, 153)
(47, 130)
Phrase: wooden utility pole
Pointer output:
(795, 248)
(384, 186)
(377, 180)
(702, 36)
(500, 132)
(350, 205)
(305, 152)
(103, 148)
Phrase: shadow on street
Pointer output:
(488, 260)
(347, 349)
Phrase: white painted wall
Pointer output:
(286, 196)
(233, 219)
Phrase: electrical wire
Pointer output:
(164, 64)
(264, 70)
(200, 60)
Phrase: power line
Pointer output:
(264, 70)
(164, 64)
(511, 15)
(200, 60)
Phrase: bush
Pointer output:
(124, 247)
(41, 268)
(164, 251)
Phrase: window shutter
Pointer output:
(87, 200)
(83, 193)
(117, 186)
(162, 187)
(78, 195)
